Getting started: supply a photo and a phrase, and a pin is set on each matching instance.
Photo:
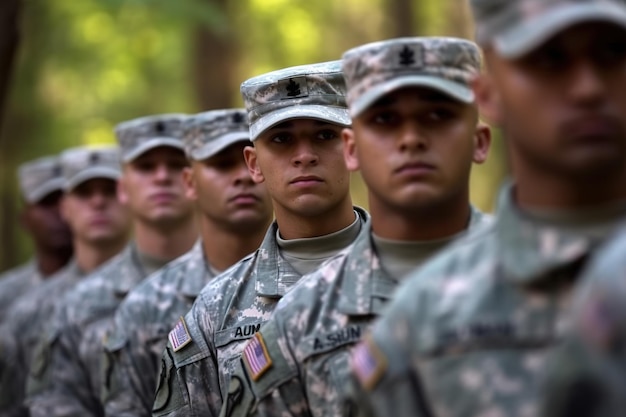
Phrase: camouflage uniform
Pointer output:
(205, 344)
(143, 320)
(66, 375)
(587, 374)
(470, 333)
(37, 179)
(296, 363)
(308, 338)
(29, 316)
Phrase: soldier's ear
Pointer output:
(349, 149)
(487, 98)
(189, 183)
(250, 155)
(122, 193)
(482, 142)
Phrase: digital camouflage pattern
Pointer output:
(229, 310)
(85, 163)
(514, 28)
(140, 135)
(16, 282)
(40, 177)
(308, 91)
(587, 374)
(373, 70)
(311, 333)
(25, 323)
(66, 377)
(471, 333)
(134, 346)
(206, 134)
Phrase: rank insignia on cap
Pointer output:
(368, 363)
(256, 357)
(179, 336)
(294, 87)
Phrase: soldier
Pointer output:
(41, 184)
(65, 376)
(296, 116)
(414, 136)
(100, 227)
(235, 213)
(471, 333)
(587, 374)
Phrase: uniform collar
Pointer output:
(196, 270)
(531, 250)
(129, 271)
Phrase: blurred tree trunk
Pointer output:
(9, 40)
(215, 56)
(458, 19)
(402, 18)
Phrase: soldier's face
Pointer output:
(301, 163)
(152, 186)
(225, 193)
(94, 213)
(415, 149)
(44, 222)
(562, 106)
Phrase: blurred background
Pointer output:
(71, 70)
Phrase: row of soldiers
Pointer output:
(253, 286)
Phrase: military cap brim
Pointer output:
(90, 174)
(150, 144)
(213, 148)
(519, 40)
(325, 113)
(453, 89)
(37, 194)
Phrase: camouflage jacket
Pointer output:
(15, 282)
(308, 338)
(470, 334)
(139, 335)
(205, 345)
(26, 320)
(65, 377)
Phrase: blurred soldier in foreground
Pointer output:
(296, 116)
(414, 136)
(234, 215)
(471, 333)
(587, 375)
(100, 226)
(41, 185)
(66, 372)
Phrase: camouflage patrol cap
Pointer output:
(376, 69)
(206, 134)
(40, 177)
(140, 135)
(315, 91)
(515, 28)
(85, 163)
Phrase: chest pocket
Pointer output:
(229, 344)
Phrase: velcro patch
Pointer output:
(179, 336)
(256, 357)
(368, 363)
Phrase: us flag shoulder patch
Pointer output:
(368, 363)
(256, 357)
(179, 336)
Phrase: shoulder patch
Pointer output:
(255, 356)
(368, 363)
(179, 336)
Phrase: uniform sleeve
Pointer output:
(384, 380)
(12, 375)
(266, 382)
(131, 366)
(188, 383)
(59, 383)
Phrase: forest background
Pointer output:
(71, 70)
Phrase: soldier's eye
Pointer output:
(280, 138)
(327, 134)
(384, 118)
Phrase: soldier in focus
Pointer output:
(296, 116)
